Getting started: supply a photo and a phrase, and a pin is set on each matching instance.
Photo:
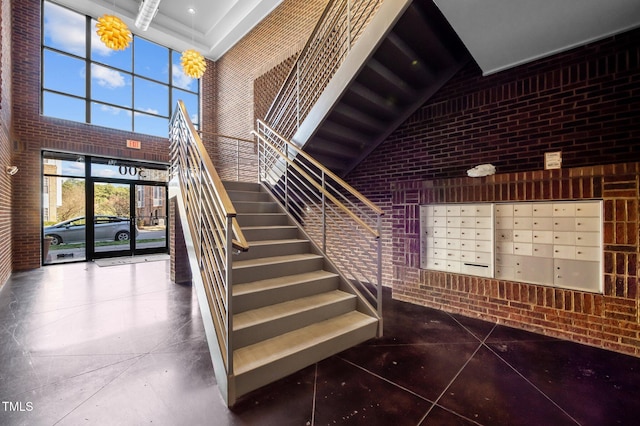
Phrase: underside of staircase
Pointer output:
(291, 307)
(407, 53)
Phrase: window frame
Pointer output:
(142, 115)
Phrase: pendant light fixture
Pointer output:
(193, 63)
(113, 32)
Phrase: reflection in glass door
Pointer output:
(109, 208)
(63, 209)
(112, 230)
(151, 219)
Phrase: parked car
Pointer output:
(106, 228)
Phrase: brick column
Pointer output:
(180, 268)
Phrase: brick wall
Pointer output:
(277, 37)
(180, 267)
(33, 132)
(582, 102)
(610, 320)
(5, 142)
(267, 85)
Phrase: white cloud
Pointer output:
(97, 46)
(65, 29)
(149, 110)
(109, 78)
(111, 110)
(180, 79)
(107, 173)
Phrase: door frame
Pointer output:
(133, 178)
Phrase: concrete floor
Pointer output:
(122, 345)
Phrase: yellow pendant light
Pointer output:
(193, 63)
(113, 32)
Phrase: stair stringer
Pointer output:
(225, 382)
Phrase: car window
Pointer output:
(101, 219)
(77, 222)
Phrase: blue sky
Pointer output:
(116, 94)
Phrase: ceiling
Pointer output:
(501, 34)
(498, 33)
(214, 28)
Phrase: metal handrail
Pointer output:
(235, 158)
(345, 225)
(212, 223)
(339, 27)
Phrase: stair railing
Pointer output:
(212, 222)
(341, 221)
(339, 27)
(235, 158)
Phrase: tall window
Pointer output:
(135, 89)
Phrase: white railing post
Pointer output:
(349, 25)
(297, 96)
(286, 179)
(379, 273)
(324, 214)
(238, 160)
(200, 203)
(229, 292)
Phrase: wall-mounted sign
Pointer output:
(133, 144)
(553, 160)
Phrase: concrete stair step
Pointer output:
(262, 219)
(273, 232)
(264, 362)
(256, 207)
(269, 248)
(237, 195)
(257, 294)
(263, 323)
(245, 271)
(242, 186)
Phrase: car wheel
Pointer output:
(55, 240)
(122, 236)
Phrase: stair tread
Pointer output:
(269, 227)
(284, 241)
(274, 259)
(287, 280)
(261, 214)
(270, 350)
(290, 307)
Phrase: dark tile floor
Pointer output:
(122, 345)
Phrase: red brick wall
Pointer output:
(610, 320)
(584, 103)
(5, 143)
(276, 38)
(180, 267)
(33, 132)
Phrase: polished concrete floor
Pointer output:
(121, 345)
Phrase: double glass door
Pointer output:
(129, 218)
(95, 208)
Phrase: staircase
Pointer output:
(291, 308)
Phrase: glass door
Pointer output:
(113, 229)
(95, 207)
(63, 208)
(151, 217)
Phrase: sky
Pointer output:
(117, 96)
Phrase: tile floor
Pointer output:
(121, 345)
